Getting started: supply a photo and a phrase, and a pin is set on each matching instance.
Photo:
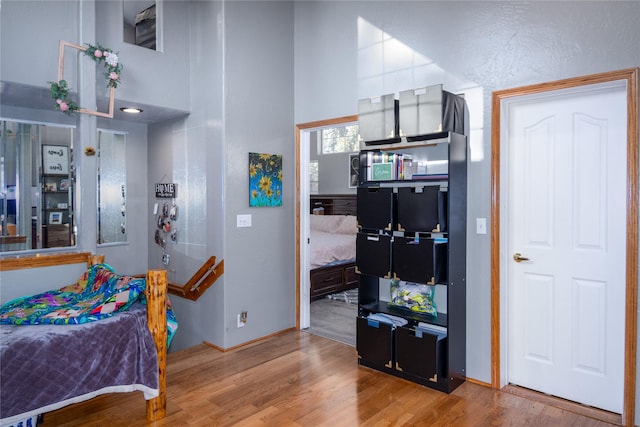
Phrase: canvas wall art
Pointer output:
(265, 180)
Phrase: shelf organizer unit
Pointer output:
(412, 228)
(57, 196)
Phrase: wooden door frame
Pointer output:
(631, 78)
(299, 128)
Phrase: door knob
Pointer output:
(517, 257)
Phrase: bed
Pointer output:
(61, 361)
(333, 229)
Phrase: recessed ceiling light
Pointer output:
(133, 110)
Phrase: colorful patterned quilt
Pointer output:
(99, 293)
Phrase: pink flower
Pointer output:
(113, 75)
(97, 53)
(64, 106)
(58, 101)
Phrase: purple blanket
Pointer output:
(46, 367)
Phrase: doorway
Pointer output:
(504, 263)
(303, 284)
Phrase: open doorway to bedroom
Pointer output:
(326, 153)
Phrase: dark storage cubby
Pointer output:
(419, 260)
(375, 208)
(425, 245)
(420, 354)
(373, 254)
(375, 342)
(419, 209)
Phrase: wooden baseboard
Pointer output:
(482, 383)
(566, 405)
(224, 350)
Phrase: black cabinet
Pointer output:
(413, 229)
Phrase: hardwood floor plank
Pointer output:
(299, 379)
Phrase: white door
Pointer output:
(566, 213)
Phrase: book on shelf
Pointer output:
(385, 166)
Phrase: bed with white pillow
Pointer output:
(333, 253)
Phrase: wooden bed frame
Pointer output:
(156, 295)
(339, 277)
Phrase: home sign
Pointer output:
(166, 190)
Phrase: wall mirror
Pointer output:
(112, 191)
(37, 186)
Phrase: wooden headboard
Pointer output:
(335, 204)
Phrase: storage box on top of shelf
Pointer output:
(419, 259)
(378, 119)
(375, 208)
(373, 254)
(422, 209)
(430, 110)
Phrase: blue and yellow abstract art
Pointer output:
(265, 180)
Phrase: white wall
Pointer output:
(471, 47)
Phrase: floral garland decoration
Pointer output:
(60, 92)
(100, 54)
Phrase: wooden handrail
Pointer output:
(200, 281)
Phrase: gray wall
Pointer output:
(259, 261)
(190, 152)
(470, 47)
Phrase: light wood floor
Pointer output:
(300, 379)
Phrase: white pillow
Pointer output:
(349, 225)
(326, 223)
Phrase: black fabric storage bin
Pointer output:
(419, 209)
(375, 208)
(419, 260)
(374, 342)
(373, 254)
(420, 353)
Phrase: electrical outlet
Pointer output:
(242, 319)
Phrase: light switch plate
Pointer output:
(243, 221)
(481, 225)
